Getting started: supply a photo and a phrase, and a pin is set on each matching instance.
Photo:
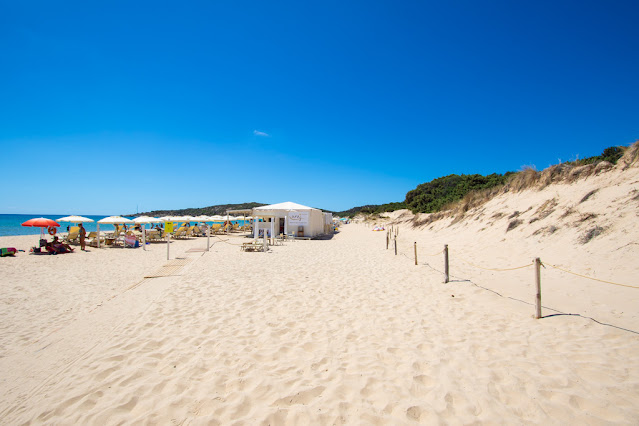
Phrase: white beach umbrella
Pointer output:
(204, 218)
(75, 219)
(178, 219)
(115, 220)
(146, 219)
(143, 220)
(112, 220)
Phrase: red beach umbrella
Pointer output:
(41, 222)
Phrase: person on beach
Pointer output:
(83, 234)
(56, 243)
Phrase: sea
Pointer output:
(11, 224)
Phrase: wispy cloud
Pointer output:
(258, 133)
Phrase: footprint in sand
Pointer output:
(303, 397)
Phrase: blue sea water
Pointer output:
(11, 224)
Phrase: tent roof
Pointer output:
(288, 206)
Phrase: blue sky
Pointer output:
(109, 107)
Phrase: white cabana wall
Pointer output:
(328, 223)
(298, 219)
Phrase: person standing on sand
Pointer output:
(83, 234)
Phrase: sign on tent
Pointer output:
(298, 218)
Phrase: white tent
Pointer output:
(290, 218)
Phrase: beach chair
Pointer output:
(92, 239)
(152, 235)
(179, 234)
(73, 236)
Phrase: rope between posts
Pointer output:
(226, 241)
(494, 269)
(529, 265)
(589, 278)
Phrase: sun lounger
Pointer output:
(92, 239)
(72, 236)
(256, 245)
(153, 235)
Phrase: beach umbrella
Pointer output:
(143, 220)
(204, 218)
(75, 219)
(112, 220)
(115, 220)
(176, 219)
(41, 222)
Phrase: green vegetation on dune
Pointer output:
(431, 196)
(219, 209)
(372, 209)
(611, 155)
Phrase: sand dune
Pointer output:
(339, 331)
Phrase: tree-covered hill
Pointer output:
(197, 211)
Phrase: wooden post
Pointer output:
(415, 253)
(387, 240)
(395, 246)
(537, 264)
(446, 276)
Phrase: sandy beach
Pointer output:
(339, 331)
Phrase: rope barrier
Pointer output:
(226, 241)
(494, 269)
(436, 254)
(527, 266)
(589, 278)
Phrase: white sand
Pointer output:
(337, 331)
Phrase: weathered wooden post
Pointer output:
(446, 276)
(415, 245)
(537, 264)
(387, 238)
(395, 246)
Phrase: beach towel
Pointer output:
(8, 251)
(131, 241)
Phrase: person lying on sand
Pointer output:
(65, 245)
(57, 247)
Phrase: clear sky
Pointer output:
(106, 107)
